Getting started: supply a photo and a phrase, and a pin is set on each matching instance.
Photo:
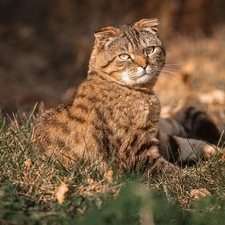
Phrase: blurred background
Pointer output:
(45, 46)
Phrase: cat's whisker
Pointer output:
(171, 72)
(156, 68)
(171, 78)
(171, 69)
(174, 64)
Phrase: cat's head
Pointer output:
(130, 54)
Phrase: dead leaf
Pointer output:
(90, 180)
(27, 164)
(60, 192)
(214, 97)
(109, 176)
(197, 193)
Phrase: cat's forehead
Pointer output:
(132, 38)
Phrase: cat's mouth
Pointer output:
(148, 73)
(148, 76)
(139, 77)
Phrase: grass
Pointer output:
(36, 192)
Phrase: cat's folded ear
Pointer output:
(147, 24)
(106, 34)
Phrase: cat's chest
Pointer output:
(136, 109)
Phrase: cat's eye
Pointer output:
(149, 50)
(124, 56)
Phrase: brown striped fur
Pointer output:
(114, 118)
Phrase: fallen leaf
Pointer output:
(109, 176)
(197, 193)
(28, 164)
(60, 192)
(214, 97)
(90, 180)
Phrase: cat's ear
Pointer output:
(147, 24)
(106, 34)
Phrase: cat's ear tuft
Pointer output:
(147, 24)
(105, 34)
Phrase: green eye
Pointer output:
(149, 50)
(124, 56)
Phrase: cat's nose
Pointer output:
(141, 61)
(144, 66)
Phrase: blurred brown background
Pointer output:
(45, 45)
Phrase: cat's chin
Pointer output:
(139, 80)
(146, 78)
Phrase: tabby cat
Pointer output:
(114, 120)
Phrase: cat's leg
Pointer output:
(184, 151)
(156, 164)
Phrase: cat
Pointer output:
(114, 120)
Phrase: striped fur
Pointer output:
(114, 118)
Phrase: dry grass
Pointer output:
(38, 191)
